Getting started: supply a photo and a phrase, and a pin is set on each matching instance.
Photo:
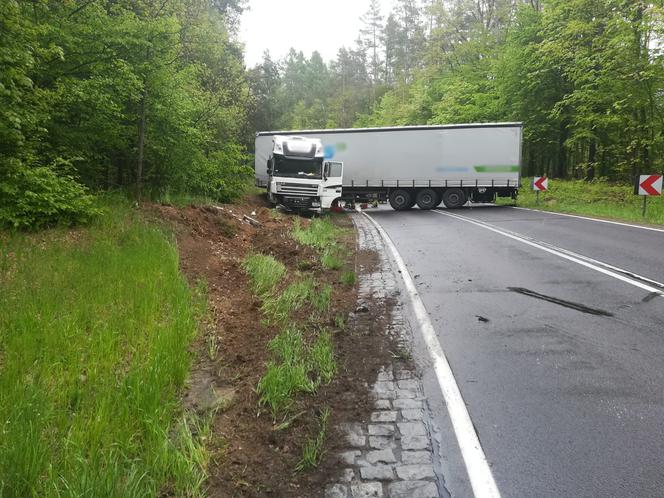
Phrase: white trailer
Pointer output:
(408, 165)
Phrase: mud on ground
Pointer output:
(251, 455)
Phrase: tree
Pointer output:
(264, 81)
(118, 93)
(409, 41)
(370, 34)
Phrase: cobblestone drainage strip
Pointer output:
(391, 455)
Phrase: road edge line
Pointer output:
(561, 253)
(599, 220)
(477, 466)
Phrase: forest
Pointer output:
(139, 95)
(584, 76)
(152, 97)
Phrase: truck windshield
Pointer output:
(310, 168)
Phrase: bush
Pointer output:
(38, 197)
(223, 175)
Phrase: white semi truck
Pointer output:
(407, 165)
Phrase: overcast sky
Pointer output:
(307, 25)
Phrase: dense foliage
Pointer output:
(148, 95)
(152, 95)
(586, 77)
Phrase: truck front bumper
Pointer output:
(298, 203)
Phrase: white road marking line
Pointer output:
(479, 472)
(605, 268)
(591, 219)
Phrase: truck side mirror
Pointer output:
(326, 170)
(269, 167)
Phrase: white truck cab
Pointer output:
(299, 178)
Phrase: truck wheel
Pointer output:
(426, 199)
(454, 198)
(400, 200)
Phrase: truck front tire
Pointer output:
(400, 200)
(426, 199)
(454, 198)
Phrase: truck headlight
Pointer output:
(315, 204)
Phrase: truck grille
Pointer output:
(297, 189)
(296, 202)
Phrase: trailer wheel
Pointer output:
(400, 200)
(426, 199)
(454, 198)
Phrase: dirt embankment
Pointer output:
(252, 454)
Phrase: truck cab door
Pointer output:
(332, 181)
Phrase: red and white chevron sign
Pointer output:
(650, 185)
(540, 183)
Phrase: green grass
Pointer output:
(322, 357)
(265, 273)
(280, 383)
(331, 259)
(296, 368)
(340, 321)
(94, 338)
(597, 198)
(279, 307)
(312, 451)
(321, 233)
(299, 363)
(321, 299)
(348, 278)
(288, 374)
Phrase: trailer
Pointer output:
(406, 165)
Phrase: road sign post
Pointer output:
(540, 183)
(647, 185)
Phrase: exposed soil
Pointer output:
(252, 457)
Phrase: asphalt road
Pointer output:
(561, 366)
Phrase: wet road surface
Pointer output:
(561, 366)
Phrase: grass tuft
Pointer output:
(322, 357)
(321, 299)
(321, 233)
(296, 368)
(265, 273)
(340, 321)
(279, 307)
(330, 258)
(312, 451)
(287, 376)
(281, 382)
(348, 278)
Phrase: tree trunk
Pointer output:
(560, 165)
(141, 142)
(592, 153)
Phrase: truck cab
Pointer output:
(299, 178)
